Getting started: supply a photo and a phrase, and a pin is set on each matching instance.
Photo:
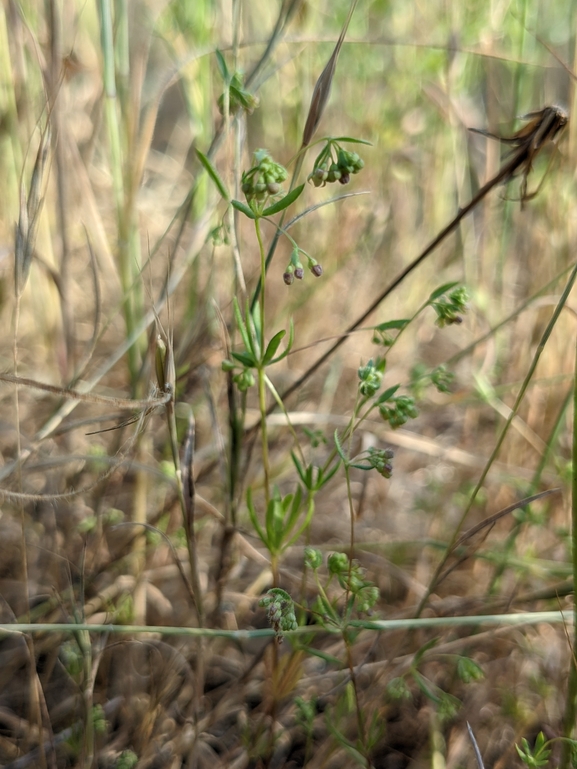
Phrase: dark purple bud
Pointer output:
(299, 273)
(317, 270)
(345, 178)
(288, 278)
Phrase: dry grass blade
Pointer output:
(475, 747)
(492, 519)
(188, 488)
(488, 524)
(29, 215)
(322, 88)
(106, 400)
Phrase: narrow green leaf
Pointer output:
(275, 524)
(323, 480)
(307, 519)
(352, 140)
(254, 520)
(223, 69)
(294, 512)
(423, 685)
(392, 325)
(442, 290)
(214, 175)
(328, 658)
(245, 358)
(272, 347)
(255, 327)
(299, 467)
(387, 395)
(360, 466)
(284, 202)
(241, 325)
(288, 348)
(424, 649)
(243, 208)
(339, 448)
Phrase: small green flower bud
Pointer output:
(244, 380)
(317, 270)
(313, 558)
(338, 563)
(318, 177)
(397, 689)
(335, 172)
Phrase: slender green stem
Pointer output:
(261, 370)
(359, 710)
(262, 277)
(264, 432)
(190, 538)
(570, 706)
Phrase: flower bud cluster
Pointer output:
(264, 178)
(280, 611)
(398, 410)
(380, 459)
(295, 267)
(244, 379)
(328, 168)
(351, 577)
(450, 310)
(370, 377)
(313, 558)
(238, 97)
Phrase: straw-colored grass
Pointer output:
(149, 503)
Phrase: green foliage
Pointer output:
(127, 760)
(397, 410)
(350, 576)
(371, 376)
(280, 611)
(262, 181)
(468, 670)
(397, 689)
(450, 308)
(282, 527)
(335, 164)
(238, 97)
(536, 756)
(381, 333)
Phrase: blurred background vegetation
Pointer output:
(131, 234)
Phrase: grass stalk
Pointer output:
(126, 242)
(571, 702)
